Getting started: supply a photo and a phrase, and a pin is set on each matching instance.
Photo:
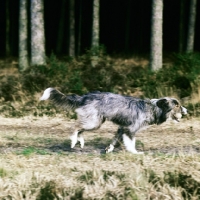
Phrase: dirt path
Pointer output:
(52, 136)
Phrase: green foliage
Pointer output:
(152, 176)
(51, 191)
(9, 88)
(139, 145)
(48, 192)
(177, 77)
(78, 194)
(70, 75)
(92, 177)
(3, 172)
(185, 181)
(32, 150)
(190, 186)
(88, 177)
(10, 111)
(127, 193)
(194, 109)
(103, 76)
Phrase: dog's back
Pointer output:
(98, 106)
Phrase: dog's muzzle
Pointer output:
(177, 116)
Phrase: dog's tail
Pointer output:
(59, 99)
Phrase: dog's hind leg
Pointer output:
(86, 122)
(76, 136)
(81, 139)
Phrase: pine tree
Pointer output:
(60, 35)
(156, 35)
(95, 32)
(79, 29)
(37, 33)
(8, 49)
(191, 27)
(71, 29)
(182, 26)
(23, 36)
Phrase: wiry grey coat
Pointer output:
(131, 114)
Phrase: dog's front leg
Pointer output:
(111, 147)
(116, 140)
(129, 143)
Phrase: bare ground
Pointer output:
(51, 135)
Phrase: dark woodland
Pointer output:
(124, 25)
(123, 28)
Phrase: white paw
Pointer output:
(73, 141)
(109, 148)
(82, 142)
(73, 144)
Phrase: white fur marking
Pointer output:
(74, 139)
(184, 110)
(154, 101)
(110, 148)
(46, 94)
(178, 115)
(130, 144)
(81, 140)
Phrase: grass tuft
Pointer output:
(3, 172)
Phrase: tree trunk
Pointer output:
(95, 32)
(7, 29)
(23, 36)
(191, 27)
(127, 28)
(79, 29)
(71, 29)
(182, 26)
(61, 28)
(37, 33)
(156, 35)
(95, 25)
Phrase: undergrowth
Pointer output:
(181, 79)
(177, 179)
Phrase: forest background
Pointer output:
(125, 26)
(80, 46)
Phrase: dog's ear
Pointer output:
(175, 102)
(162, 103)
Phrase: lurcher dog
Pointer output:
(131, 114)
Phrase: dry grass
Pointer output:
(37, 163)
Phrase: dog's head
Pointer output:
(171, 108)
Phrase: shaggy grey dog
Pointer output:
(131, 114)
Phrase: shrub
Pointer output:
(77, 75)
